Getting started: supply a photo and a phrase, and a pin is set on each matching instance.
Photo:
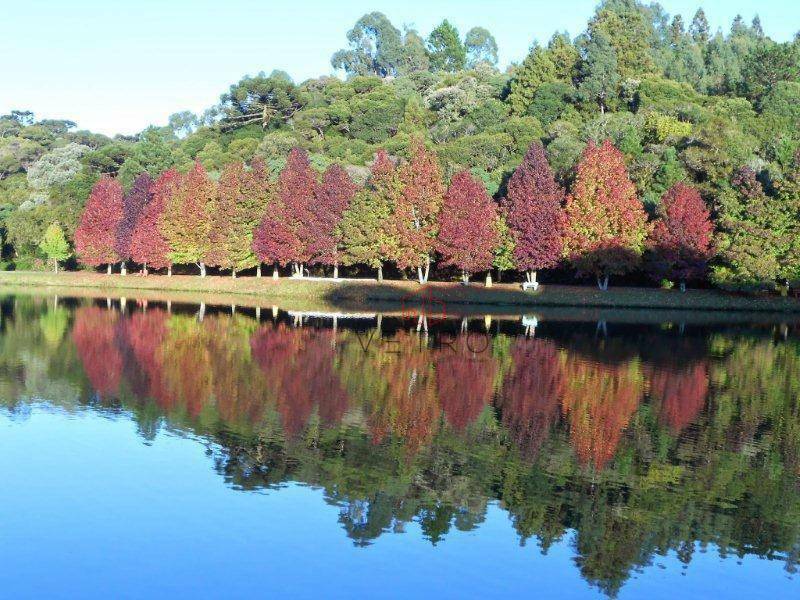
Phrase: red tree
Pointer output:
(599, 401)
(283, 235)
(464, 383)
(606, 222)
(333, 199)
(415, 216)
(535, 214)
(146, 332)
(681, 243)
(133, 205)
(148, 245)
(532, 391)
(467, 226)
(94, 335)
(96, 235)
(680, 393)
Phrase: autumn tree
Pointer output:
(681, 242)
(333, 199)
(415, 216)
(243, 199)
(366, 227)
(535, 214)
(148, 245)
(133, 204)
(530, 400)
(606, 222)
(187, 220)
(467, 226)
(95, 342)
(54, 245)
(96, 235)
(284, 233)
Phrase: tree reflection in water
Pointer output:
(636, 440)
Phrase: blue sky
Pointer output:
(116, 67)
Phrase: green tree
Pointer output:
(537, 69)
(481, 47)
(599, 76)
(54, 245)
(446, 51)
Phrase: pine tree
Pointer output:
(133, 204)
(599, 76)
(415, 216)
(467, 226)
(446, 52)
(699, 29)
(535, 213)
(606, 222)
(54, 245)
(333, 199)
(535, 70)
(149, 247)
(187, 221)
(96, 235)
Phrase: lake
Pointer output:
(153, 449)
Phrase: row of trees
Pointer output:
(404, 215)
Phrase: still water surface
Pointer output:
(151, 451)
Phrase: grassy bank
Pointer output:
(358, 294)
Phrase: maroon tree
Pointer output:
(467, 226)
(133, 204)
(148, 245)
(283, 235)
(535, 214)
(681, 243)
(96, 235)
(333, 199)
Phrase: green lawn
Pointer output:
(355, 294)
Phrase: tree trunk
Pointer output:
(427, 268)
(489, 279)
(123, 268)
(275, 273)
(465, 277)
(420, 276)
(531, 276)
(602, 283)
(144, 268)
(380, 272)
(233, 273)
(108, 269)
(55, 265)
(336, 270)
(169, 270)
(202, 266)
(258, 270)
(499, 275)
(683, 286)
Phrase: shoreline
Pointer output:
(355, 294)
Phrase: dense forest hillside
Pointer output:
(677, 103)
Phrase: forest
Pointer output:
(646, 148)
